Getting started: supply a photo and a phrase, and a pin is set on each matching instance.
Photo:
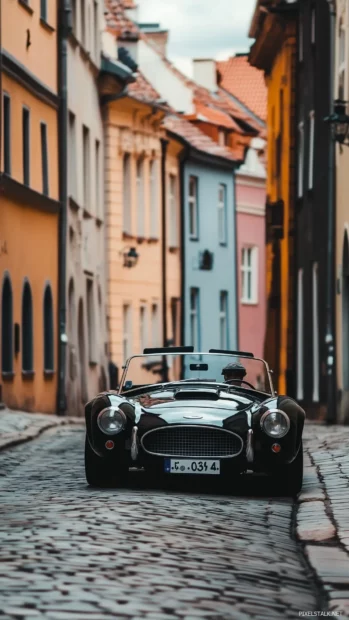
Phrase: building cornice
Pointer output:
(28, 80)
(26, 196)
(251, 210)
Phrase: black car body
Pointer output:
(183, 422)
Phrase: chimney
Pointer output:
(205, 73)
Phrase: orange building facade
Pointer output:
(274, 51)
(29, 197)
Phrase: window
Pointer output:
(300, 158)
(27, 329)
(173, 215)
(193, 208)
(43, 10)
(96, 29)
(222, 138)
(341, 62)
(140, 198)
(300, 39)
(7, 134)
(194, 319)
(175, 320)
(223, 320)
(313, 25)
(127, 219)
(300, 336)
(154, 200)
(44, 162)
(316, 356)
(143, 334)
(48, 331)
(72, 156)
(155, 326)
(83, 23)
(311, 148)
(91, 321)
(222, 214)
(74, 16)
(249, 275)
(97, 176)
(127, 336)
(86, 166)
(7, 327)
(26, 145)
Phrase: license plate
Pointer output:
(192, 466)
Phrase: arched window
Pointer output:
(7, 327)
(27, 329)
(48, 330)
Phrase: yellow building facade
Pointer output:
(274, 51)
(29, 212)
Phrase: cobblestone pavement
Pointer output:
(69, 552)
(323, 513)
(19, 426)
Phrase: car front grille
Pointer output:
(192, 441)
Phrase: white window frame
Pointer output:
(311, 149)
(300, 158)
(223, 320)
(126, 180)
(222, 214)
(127, 330)
(173, 211)
(154, 199)
(140, 197)
(249, 275)
(194, 318)
(193, 208)
(300, 337)
(316, 348)
(143, 327)
(342, 60)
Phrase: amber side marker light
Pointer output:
(109, 444)
(276, 447)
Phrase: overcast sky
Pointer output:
(201, 28)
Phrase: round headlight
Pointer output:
(275, 423)
(111, 420)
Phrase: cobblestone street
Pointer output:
(69, 552)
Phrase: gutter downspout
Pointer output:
(164, 144)
(331, 416)
(64, 20)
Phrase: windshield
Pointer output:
(153, 369)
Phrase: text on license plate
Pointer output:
(191, 466)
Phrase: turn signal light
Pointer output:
(109, 444)
(276, 447)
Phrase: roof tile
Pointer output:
(245, 82)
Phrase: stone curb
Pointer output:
(33, 425)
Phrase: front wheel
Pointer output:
(289, 478)
(101, 472)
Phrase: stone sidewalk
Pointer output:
(323, 511)
(18, 426)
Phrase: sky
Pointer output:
(201, 28)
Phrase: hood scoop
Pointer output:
(192, 394)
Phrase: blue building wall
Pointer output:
(222, 277)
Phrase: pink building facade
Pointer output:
(250, 201)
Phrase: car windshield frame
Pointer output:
(121, 388)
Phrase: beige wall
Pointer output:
(132, 128)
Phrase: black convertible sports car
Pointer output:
(178, 412)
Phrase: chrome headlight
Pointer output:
(111, 420)
(275, 423)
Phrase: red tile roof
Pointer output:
(216, 117)
(117, 20)
(245, 82)
(142, 90)
(191, 134)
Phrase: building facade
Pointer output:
(29, 185)
(87, 354)
(274, 51)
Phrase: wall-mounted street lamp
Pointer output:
(339, 122)
(131, 257)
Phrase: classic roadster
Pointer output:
(179, 412)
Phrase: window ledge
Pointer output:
(8, 376)
(93, 364)
(26, 6)
(173, 249)
(99, 221)
(28, 374)
(194, 238)
(223, 244)
(140, 239)
(247, 302)
(48, 374)
(47, 26)
(153, 240)
(126, 235)
(73, 204)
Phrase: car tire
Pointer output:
(289, 478)
(101, 473)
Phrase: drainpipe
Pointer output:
(331, 416)
(164, 144)
(64, 30)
